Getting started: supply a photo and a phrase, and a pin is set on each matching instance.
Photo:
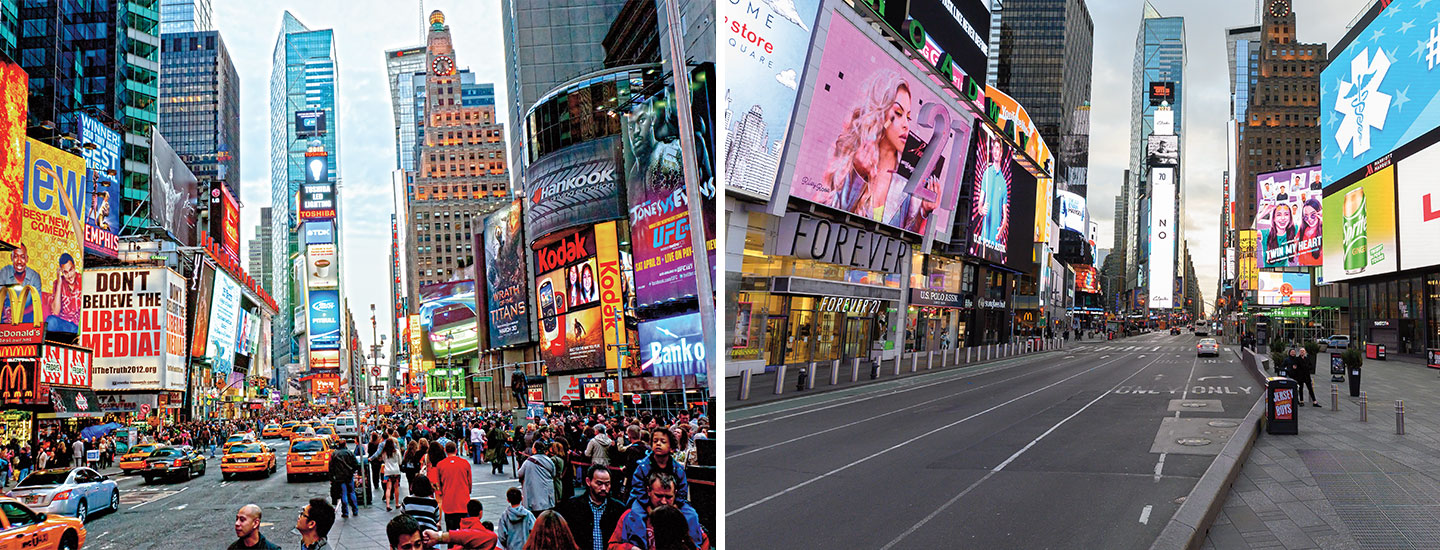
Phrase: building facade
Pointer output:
(401, 65)
(200, 105)
(186, 16)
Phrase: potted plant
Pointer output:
(1351, 357)
(1277, 354)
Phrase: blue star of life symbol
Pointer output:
(1361, 102)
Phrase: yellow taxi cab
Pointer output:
(301, 430)
(270, 431)
(134, 460)
(326, 432)
(287, 429)
(247, 458)
(22, 527)
(308, 455)
(237, 439)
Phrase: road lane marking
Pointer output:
(162, 497)
(1220, 377)
(907, 442)
(1007, 461)
(1159, 466)
(1145, 514)
(1186, 393)
(1157, 348)
(181, 507)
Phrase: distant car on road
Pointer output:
(1174, 331)
(1202, 331)
(1339, 341)
(69, 491)
(167, 462)
(1207, 346)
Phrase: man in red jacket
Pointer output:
(454, 488)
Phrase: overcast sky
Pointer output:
(364, 29)
(1207, 91)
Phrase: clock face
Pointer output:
(443, 65)
(1279, 8)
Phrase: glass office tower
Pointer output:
(1159, 58)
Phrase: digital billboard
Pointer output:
(1162, 91)
(1072, 212)
(1005, 111)
(614, 284)
(1045, 196)
(1248, 268)
(102, 186)
(135, 325)
(324, 319)
(1162, 150)
(1418, 198)
(204, 289)
(1087, 279)
(878, 142)
(42, 276)
(322, 270)
(225, 220)
(320, 232)
(672, 346)
(659, 213)
(990, 198)
(172, 191)
(960, 27)
(575, 186)
(1283, 289)
(309, 124)
(15, 93)
(224, 323)
(1162, 238)
(765, 47)
(1360, 228)
(317, 194)
(447, 318)
(571, 336)
(1379, 91)
(1288, 216)
(507, 279)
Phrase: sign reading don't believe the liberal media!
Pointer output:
(811, 238)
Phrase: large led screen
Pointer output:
(990, 198)
(221, 340)
(135, 324)
(571, 333)
(1284, 289)
(507, 280)
(172, 191)
(673, 346)
(42, 276)
(324, 318)
(1380, 91)
(871, 122)
(765, 46)
(447, 318)
(1418, 198)
(102, 185)
(15, 93)
(1072, 212)
(575, 186)
(1360, 228)
(1288, 217)
(1162, 238)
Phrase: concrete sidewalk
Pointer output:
(1342, 483)
(763, 384)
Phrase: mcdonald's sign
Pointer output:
(21, 321)
(17, 381)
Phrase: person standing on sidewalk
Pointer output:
(454, 476)
(1306, 369)
(247, 531)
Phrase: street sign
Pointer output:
(377, 387)
(635, 399)
(565, 401)
(144, 409)
(484, 379)
(375, 371)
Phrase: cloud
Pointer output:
(787, 77)
(786, 9)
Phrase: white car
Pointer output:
(1207, 346)
(1340, 341)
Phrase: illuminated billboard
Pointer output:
(15, 93)
(1248, 269)
(1418, 198)
(309, 124)
(317, 194)
(322, 269)
(571, 336)
(765, 47)
(42, 276)
(1379, 91)
(1360, 228)
(447, 318)
(1288, 216)
(990, 198)
(1283, 289)
(672, 346)
(223, 333)
(102, 186)
(173, 191)
(1087, 279)
(507, 280)
(135, 324)
(225, 220)
(1072, 212)
(860, 152)
(1162, 238)
(324, 319)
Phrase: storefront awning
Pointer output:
(73, 403)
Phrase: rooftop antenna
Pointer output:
(422, 21)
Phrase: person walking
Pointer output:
(343, 467)
(1306, 371)
(388, 456)
(454, 475)
(515, 523)
(314, 524)
(537, 477)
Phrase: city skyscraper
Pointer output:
(461, 173)
(401, 65)
(261, 259)
(1055, 89)
(1280, 126)
(200, 105)
(546, 45)
(1157, 79)
(186, 16)
(110, 75)
(303, 77)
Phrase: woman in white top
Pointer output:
(389, 456)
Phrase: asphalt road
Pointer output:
(1079, 448)
(200, 513)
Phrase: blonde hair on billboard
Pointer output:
(857, 147)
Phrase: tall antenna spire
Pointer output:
(422, 21)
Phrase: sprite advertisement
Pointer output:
(1360, 228)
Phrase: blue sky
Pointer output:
(364, 29)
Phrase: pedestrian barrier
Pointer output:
(1334, 397)
(1400, 416)
(780, 380)
(835, 372)
(914, 362)
(855, 370)
(930, 360)
(967, 354)
(898, 360)
(814, 373)
(1364, 407)
(745, 384)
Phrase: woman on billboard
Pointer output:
(860, 177)
(1282, 232)
(1311, 228)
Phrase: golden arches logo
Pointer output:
(16, 296)
(15, 382)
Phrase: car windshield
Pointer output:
(142, 449)
(247, 448)
(345, 421)
(1207, 341)
(325, 430)
(46, 478)
(235, 438)
(167, 453)
(307, 447)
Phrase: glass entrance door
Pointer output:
(857, 338)
(775, 338)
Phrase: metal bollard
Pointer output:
(1400, 416)
(835, 372)
(1364, 407)
(1334, 397)
(967, 354)
(930, 360)
(744, 384)
(914, 361)
(780, 380)
(855, 370)
(814, 373)
(899, 359)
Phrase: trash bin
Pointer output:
(1355, 381)
(1281, 415)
